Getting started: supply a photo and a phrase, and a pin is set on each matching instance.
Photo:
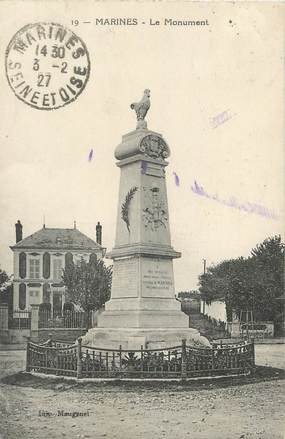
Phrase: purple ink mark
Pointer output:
(90, 155)
(176, 178)
(257, 209)
(144, 167)
(221, 118)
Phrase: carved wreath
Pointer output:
(126, 206)
(154, 147)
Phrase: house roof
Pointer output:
(58, 239)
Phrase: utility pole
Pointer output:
(204, 261)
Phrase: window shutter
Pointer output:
(22, 265)
(46, 293)
(68, 259)
(22, 296)
(46, 265)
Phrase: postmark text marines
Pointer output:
(47, 65)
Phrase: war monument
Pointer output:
(142, 310)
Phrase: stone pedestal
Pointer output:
(142, 309)
(150, 338)
(4, 316)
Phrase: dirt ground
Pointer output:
(249, 408)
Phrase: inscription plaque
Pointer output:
(157, 278)
(125, 278)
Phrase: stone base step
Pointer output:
(149, 338)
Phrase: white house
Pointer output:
(39, 260)
(216, 310)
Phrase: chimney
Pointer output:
(99, 233)
(19, 231)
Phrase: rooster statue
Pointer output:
(141, 108)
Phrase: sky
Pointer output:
(217, 97)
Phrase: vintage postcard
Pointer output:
(142, 219)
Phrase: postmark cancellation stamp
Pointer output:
(47, 65)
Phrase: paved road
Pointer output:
(250, 411)
(270, 355)
(12, 361)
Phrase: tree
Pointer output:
(6, 289)
(4, 278)
(268, 259)
(88, 283)
(255, 283)
(214, 284)
(240, 287)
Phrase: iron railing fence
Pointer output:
(256, 330)
(68, 319)
(181, 361)
(19, 320)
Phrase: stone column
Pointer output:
(4, 317)
(235, 329)
(34, 321)
(4, 328)
(51, 301)
(63, 299)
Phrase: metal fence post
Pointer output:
(253, 354)
(183, 360)
(120, 356)
(28, 368)
(50, 339)
(142, 358)
(79, 357)
(213, 356)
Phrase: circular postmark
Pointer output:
(47, 65)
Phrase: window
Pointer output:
(34, 268)
(34, 297)
(22, 265)
(22, 296)
(57, 269)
